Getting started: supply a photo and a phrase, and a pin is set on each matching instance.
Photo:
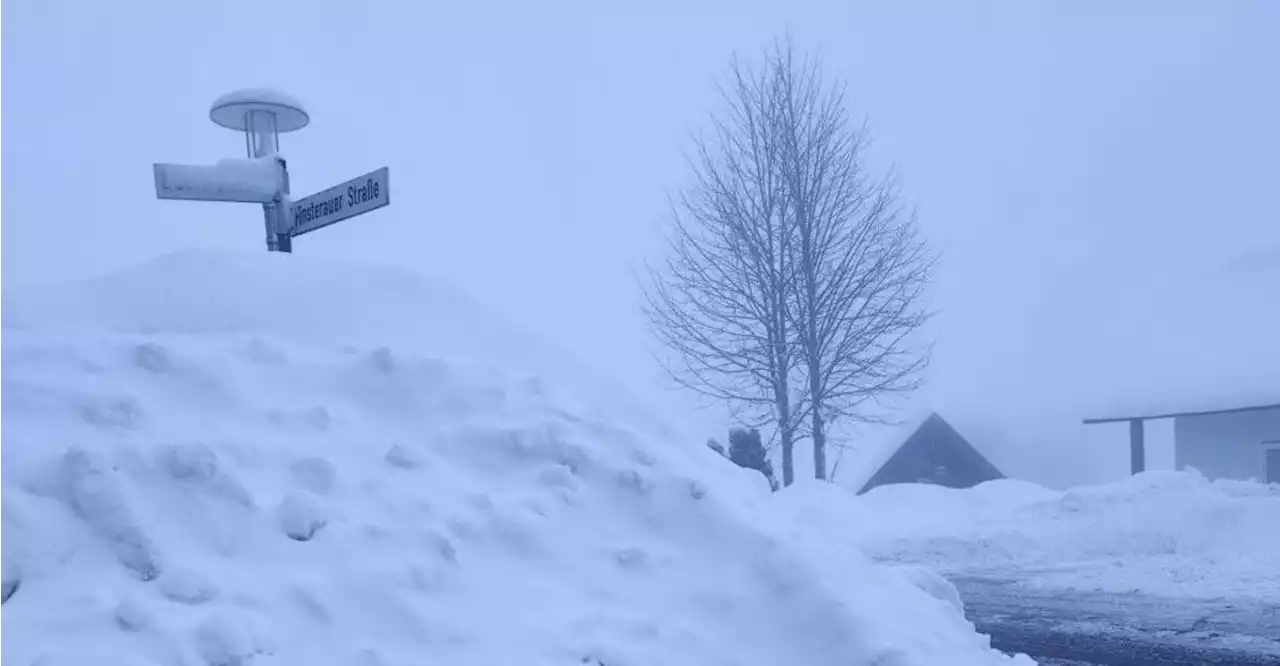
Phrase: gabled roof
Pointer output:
(935, 430)
(871, 447)
(1170, 415)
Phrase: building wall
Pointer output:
(1225, 446)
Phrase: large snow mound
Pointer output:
(237, 460)
(303, 303)
(289, 298)
(1162, 533)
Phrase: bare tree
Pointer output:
(789, 264)
(861, 265)
(721, 302)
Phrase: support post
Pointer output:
(269, 220)
(276, 220)
(276, 215)
(284, 234)
(1137, 446)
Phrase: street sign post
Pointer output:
(354, 197)
(263, 178)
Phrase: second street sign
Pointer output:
(354, 197)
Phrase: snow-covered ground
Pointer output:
(231, 459)
(1159, 533)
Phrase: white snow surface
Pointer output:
(252, 180)
(1161, 533)
(230, 459)
(229, 108)
(258, 170)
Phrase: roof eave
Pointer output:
(1171, 415)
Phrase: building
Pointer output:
(1240, 441)
(1205, 353)
(933, 452)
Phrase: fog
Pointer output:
(1068, 159)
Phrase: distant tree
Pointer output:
(861, 265)
(747, 450)
(721, 300)
(790, 267)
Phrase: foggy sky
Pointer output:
(1066, 157)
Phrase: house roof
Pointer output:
(875, 446)
(1170, 415)
(872, 446)
(936, 426)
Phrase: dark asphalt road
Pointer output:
(1094, 628)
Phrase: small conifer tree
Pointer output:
(747, 450)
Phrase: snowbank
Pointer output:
(1161, 533)
(317, 305)
(198, 470)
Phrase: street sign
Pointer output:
(263, 177)
(232, 180)
(354, 197)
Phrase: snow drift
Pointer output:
(228, 460)
(1163, 533)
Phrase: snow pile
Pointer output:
(1161, 533)
(198, 470)
(314, 305)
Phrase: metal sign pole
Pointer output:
(263, 139)
(284, 239)
(269, 219)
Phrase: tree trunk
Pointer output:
(812, 344)
(788, 467)
(786, 435)
(819, 446)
